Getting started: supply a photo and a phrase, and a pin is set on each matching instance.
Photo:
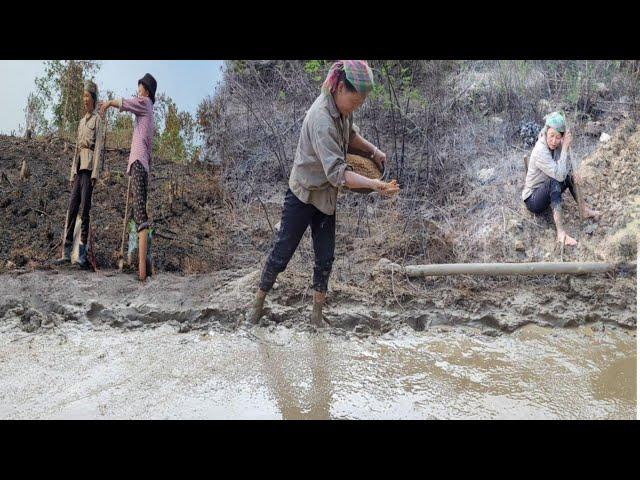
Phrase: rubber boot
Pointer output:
(66, 256)
(257, 309)
(82, 256)
(142, 254)
(317, 319)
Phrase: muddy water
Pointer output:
(95, 371)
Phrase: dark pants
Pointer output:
(296, 217)
(80, 202)
(549, 193)
(139, 182)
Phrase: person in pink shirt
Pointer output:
(139, 159)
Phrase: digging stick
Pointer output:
(66, 220)
(104, 144)
(124, 227)
(574, 169)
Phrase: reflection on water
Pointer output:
(300, 384)
(533, 373)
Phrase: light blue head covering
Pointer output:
(555, 120)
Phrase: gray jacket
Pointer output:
(319, 164)
(545, 163)
(89, 150)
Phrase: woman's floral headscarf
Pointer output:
(357, 72)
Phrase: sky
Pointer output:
(187, 82)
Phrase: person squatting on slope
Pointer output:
(549, 175)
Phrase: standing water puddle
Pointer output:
(445, 374)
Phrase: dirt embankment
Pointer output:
(489, 221)
(199, 231)
(202, 232)
(43, 300)
(612, 175)
(185, 204)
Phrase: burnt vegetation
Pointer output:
(455, 134)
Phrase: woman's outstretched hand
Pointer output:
(103, 107)
(387, 188)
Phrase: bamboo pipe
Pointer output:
(532, 268)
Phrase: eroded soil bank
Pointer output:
(74, 345)
(45, 299)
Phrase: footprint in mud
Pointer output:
(289, 300)
(11, 309)
(67, 313)
(94, 310)
(139, 316)
(31, 320)
(358, 322)
(96, 314)
(418, 323)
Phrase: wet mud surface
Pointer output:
(46, 299)
(99, 372)
(74, 345)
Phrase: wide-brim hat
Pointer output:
(150, 84)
